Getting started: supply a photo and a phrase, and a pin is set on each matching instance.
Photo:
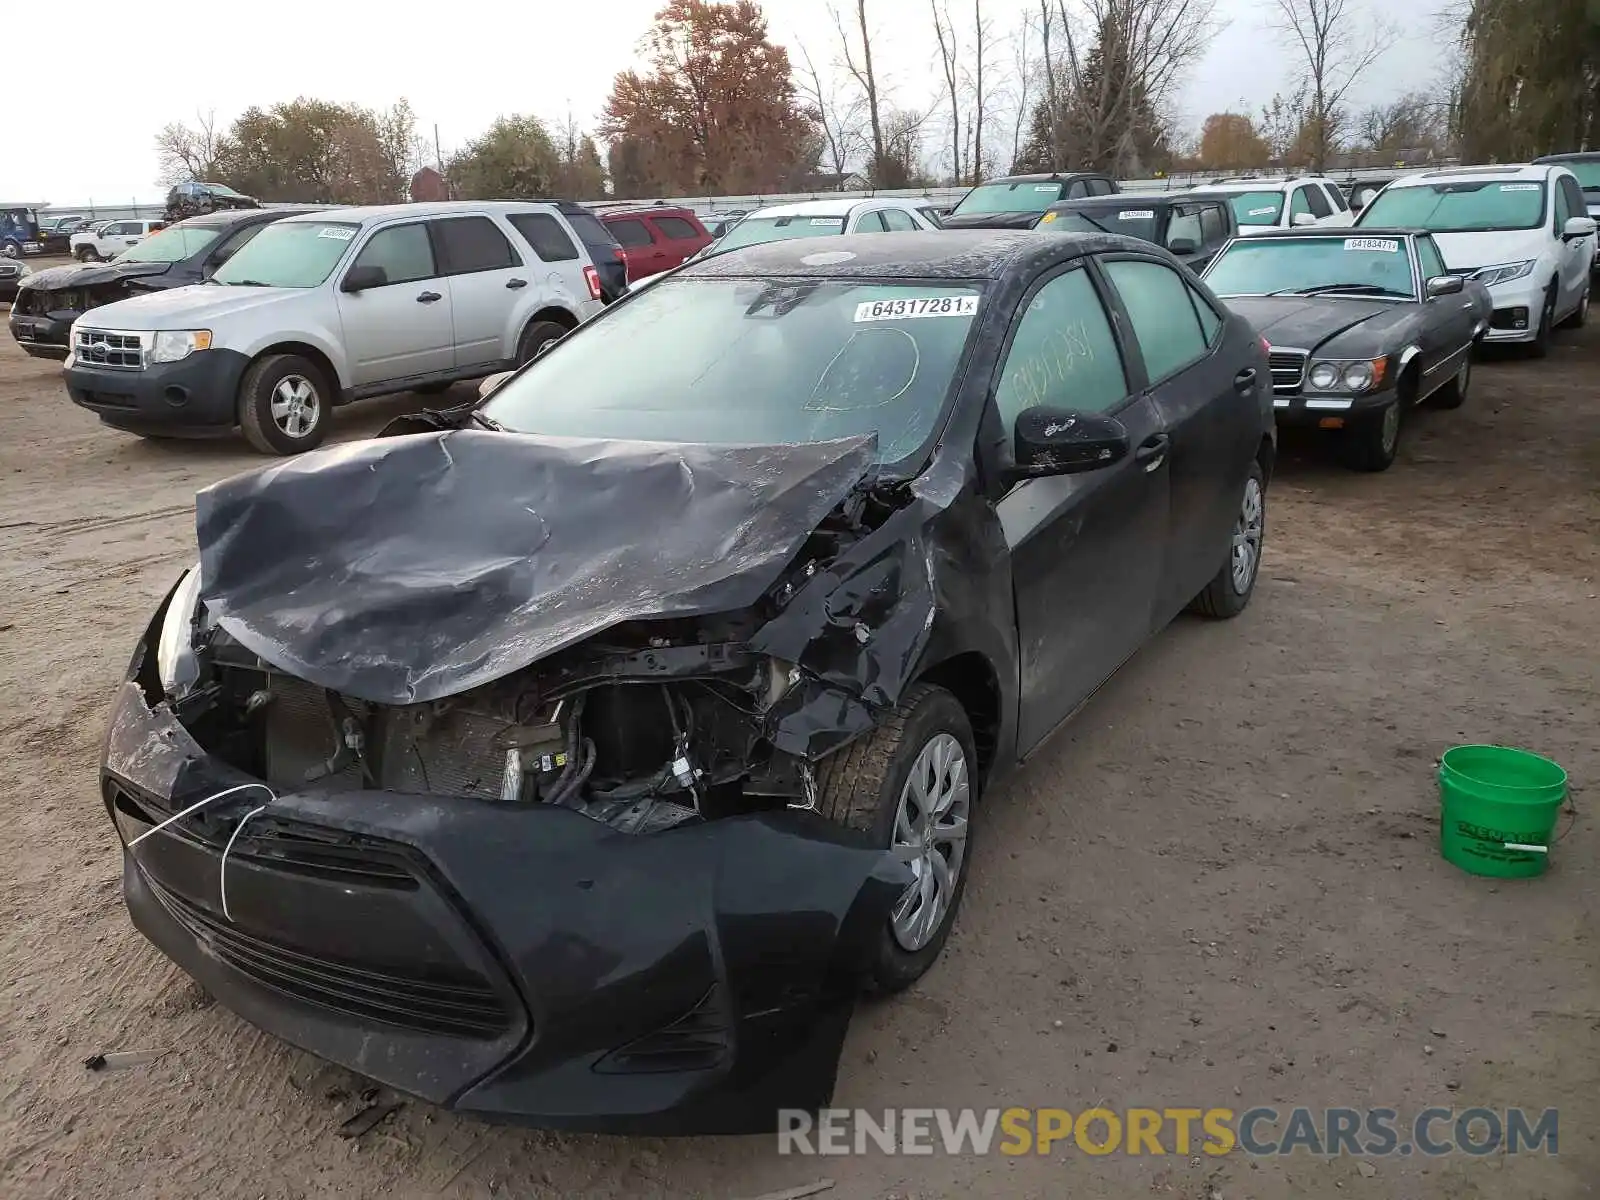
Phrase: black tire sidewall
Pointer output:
(936, 712)
(536, 335)
(258, 386)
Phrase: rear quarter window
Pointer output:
(677, 229)
(544, 233)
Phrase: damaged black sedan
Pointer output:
(579, 757)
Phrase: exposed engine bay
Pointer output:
(639, 729)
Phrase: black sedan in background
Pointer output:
(576, 757)
(1193, 229)
(49, 301)
(1363, 325)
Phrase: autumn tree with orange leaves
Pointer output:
(1229, 139)
(716, 113)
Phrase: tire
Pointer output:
(1235, 581)
(1540, 346)
(1579, 317)
(864, 786)
(11, 249)
(1371, 443)
(284, 378)
(535, 337)
(87, 254)
(1454, 393)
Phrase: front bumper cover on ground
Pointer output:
(518, 963)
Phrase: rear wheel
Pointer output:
(536, 337)
(1235, 581)
(11, 249)
(284, 404)
(87, 254)
(911, 783)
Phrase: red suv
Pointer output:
(655, 239)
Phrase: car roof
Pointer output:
(1571, 156)
(225, 217)
(1509, 171)
(826, 208)
(1045, 177)
(372, 213)
(1120, 200)
(1334, 231)
(964, 254)
(644, 210)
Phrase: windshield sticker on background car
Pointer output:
(1388, 245)
(926, 306)
(830, 221)
(1137, 214)
(1261, 212)
(338, 233)
(1519, 187)
(1046, 187)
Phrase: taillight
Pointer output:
(622, 255)
(1266, 345)
(592, 278)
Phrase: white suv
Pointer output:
(1288, 203)
(110, 239)
(323, 308)
(1521, 231)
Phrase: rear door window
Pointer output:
(1213, 224)
(544, 233)
(630, 233)
(1163, 316)
(898, 221)
(871, 222)
(676, 229)
(472, 244)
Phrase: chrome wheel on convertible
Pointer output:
(930, 828)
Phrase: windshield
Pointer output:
(171, 245)
(752, 362)
(1263, 266)
(1009, 197)
(222, 189)
(1131, 221)
(296, 254)
(1257, 208)
(752, 231)
(1588, 174)
(1467, 207)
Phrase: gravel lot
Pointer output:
(1219, 887)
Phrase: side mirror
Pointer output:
(1578, 227)
(359, 279)
(1445, 285)
(1183, 245)
(1303, 219)
(1063, 441)
(493, 382)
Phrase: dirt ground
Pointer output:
(1219, 887)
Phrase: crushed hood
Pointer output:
(1305, 321)
(91, 274)
(404, 569)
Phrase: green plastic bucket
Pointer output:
(1499, 810)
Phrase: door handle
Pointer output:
(1152, 452)
(429, 297)
(514, 284)
(1245, 379)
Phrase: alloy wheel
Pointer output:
(930, 832)
(1247, 530)
(295, 406)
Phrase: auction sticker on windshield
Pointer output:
(1387, 245)
(828, 221)
(339, 233)
(1261, 212)
(1137, 214)
(1519, 187)
(926, 306)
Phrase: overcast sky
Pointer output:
(467, 61)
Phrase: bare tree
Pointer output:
(1337, 53)
(861, 71)
(945, 32)
(840, 122)
(185, 153)
(1023, 65)
(980, 39)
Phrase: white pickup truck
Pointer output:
(111, 239)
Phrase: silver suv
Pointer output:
(324, 308)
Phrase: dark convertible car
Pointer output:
(51, 300)
(577, 756)
(1361, 328)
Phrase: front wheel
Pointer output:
(911, 783)
(1579, 317)
(1454, 393)
(11, 249)
(1540, 346)
(284, 404)
(1235, 581)
(1372, 440)
(87, 254)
